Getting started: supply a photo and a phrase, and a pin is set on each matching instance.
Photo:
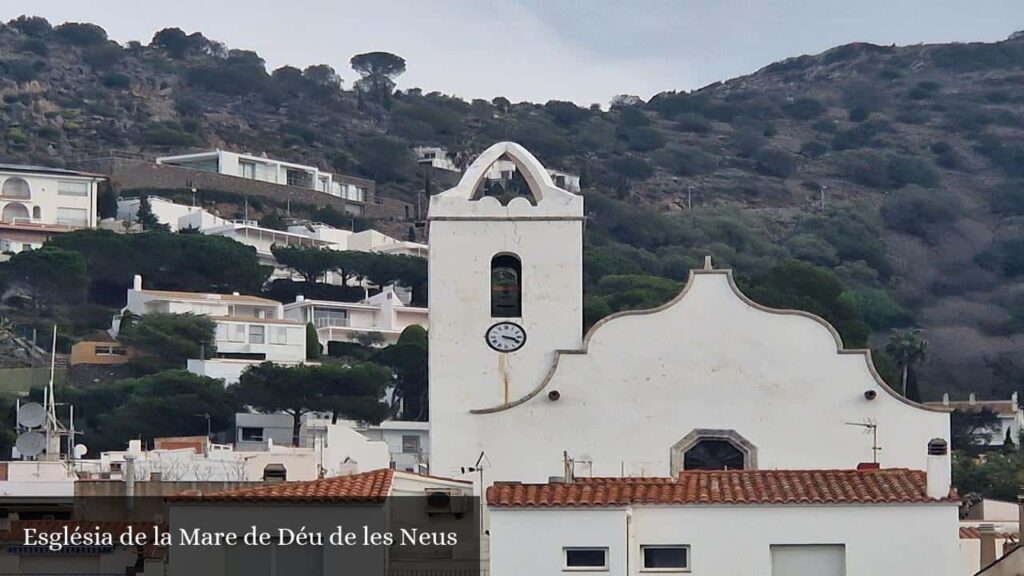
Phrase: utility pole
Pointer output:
(689, 197)
(823, 189)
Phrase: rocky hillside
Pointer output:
(896, 170)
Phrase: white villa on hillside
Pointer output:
(179, 217)
(37, 203)
(378, 320)
(364, 241)
(273, 171)
(1008, 412)
(249, 329)
(435, 157)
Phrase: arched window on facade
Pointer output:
(506, 286)
(14, 211)
(37, 213)
(16, 188)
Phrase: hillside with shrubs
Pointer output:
(879, 186)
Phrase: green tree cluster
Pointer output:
(187, 262)
(166, 341)
(354, 391)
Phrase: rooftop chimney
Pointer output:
(137, 282)
(972, 399)
(938, 475)
(300, 298)
(945, 398)
(988, 544)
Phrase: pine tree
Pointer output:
(145, 214)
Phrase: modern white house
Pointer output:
(363, 241)
(435, 157)
(179, 217)
(397, 444)
(249, 329)
(1008, 412)
(37, 202)
(408, 442)
(378, 320)
(274, 171)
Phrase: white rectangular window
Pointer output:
(410, 444)
(72, 188)
(238, 332)
(665, 558)
(72, 216)
(247, 169)
(809, 560)
(257, 334)
(579, 558)
(279, 335)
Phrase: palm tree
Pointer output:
(908, 349)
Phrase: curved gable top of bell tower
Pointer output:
(552, 202)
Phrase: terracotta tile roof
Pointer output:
(372, 486)
(887, 486)
(973, 533)
(205, 297)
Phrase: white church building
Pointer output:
(711, 434)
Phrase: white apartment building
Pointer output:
(249, 329)
(270, 170)
(435, 157)
(379, 319)
(1008, 412)
(37, 203)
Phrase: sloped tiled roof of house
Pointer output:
(373, 486)
(735, 487)
(205, 297)
(974, 533)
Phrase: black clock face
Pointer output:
(505, 337)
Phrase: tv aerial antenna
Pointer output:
(870, 427)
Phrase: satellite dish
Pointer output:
(31, 415)
(80, 450)
(30, 444)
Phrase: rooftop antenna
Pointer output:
(870, 428)
(482, 462)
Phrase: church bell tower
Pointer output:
(506, 292)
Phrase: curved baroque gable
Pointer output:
(825, 330)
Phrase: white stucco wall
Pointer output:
(731, 540)
(708, 361)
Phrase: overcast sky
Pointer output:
(581, 50)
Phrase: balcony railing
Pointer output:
(329, 322)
